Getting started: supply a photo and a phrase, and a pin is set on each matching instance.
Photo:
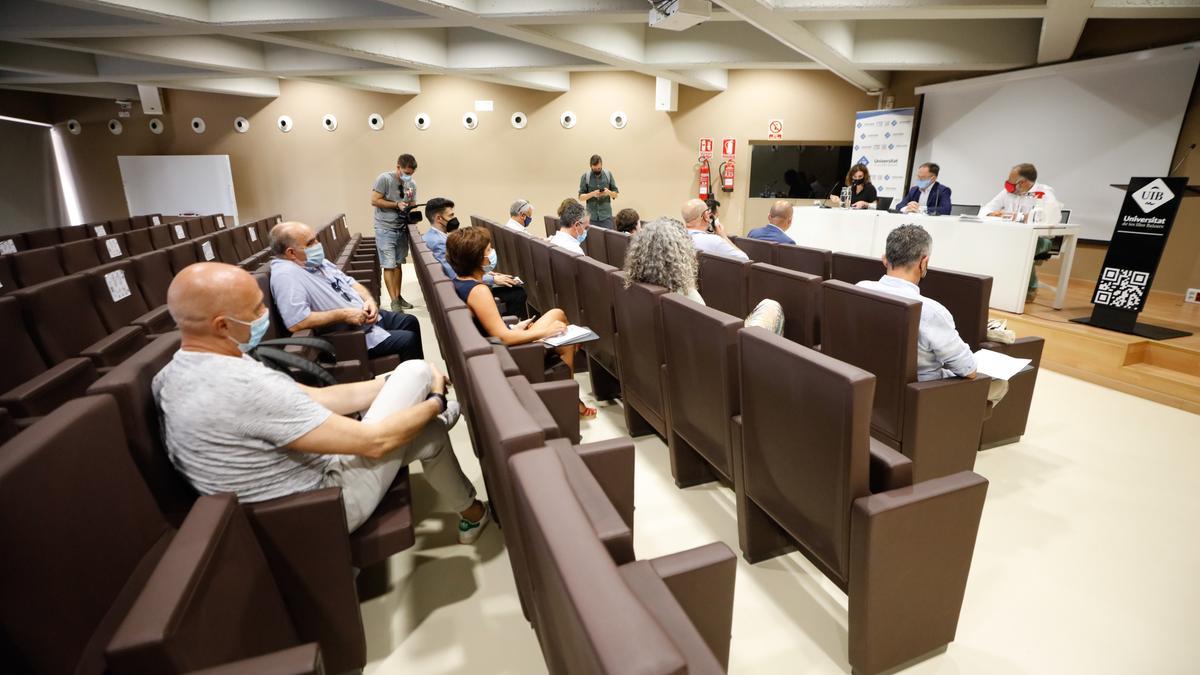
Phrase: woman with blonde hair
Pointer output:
(661, 253)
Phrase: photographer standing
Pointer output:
(394, 192)
(597, 189)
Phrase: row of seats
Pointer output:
(567, 515)
(70, 330)
(52, 236)
(174, 583)
(832, 452)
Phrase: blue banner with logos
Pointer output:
(881, 142)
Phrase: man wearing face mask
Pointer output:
(927, 193)
(572, 228)
(312, 293)
(520, 215)
(1019, 187)
(439, 211)
(230, 424)
(394, 192)
(941, 353)
(598, 189)
(698, 220)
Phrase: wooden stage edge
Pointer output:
(1165, 371)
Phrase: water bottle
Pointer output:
(846, 194)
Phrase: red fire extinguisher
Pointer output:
(726, 171)
(704, 178)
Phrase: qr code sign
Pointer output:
(1123, 289)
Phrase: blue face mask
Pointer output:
(924, 183)
(581, 238)
(315, 255)
(528, 220)
(491, 263)
(258, 328)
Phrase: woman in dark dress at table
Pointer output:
(862, 192)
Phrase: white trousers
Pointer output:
(364, 481)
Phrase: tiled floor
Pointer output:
(1087, 561)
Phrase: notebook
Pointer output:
(571, 336)
(998, 366)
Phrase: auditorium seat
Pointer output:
(206, 249)
(195, 228)
(8, 279)
(722, 283)
(702, 387)
(191, 612)
(13, 242)
(551, 223)
(119, 301)
(70, 233)
(29, 386)
(524, 247)
(181, 255)
(154, 274)
(99, 228)
(110, 248)
(162, 236)
(853, 268)
(596, 303)
(138, 242)
(544, 287)
(596, 244)
(64, 322)
(759, 250)
(119, 225)
(563, 264)
(618, 246)
(36, 265)
(78, 256)
(815, 261)
(639, 339)
(596, 615)
(902, 555)
(42, 238)
(799, 295)
(8, 426)
(936, 423)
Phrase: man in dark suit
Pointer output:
(927, 192)
(778, 221)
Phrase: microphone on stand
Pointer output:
(1178, 164)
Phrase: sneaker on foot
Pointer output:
(397, 306)
(469, 531)
(450, 415)
(404, 304)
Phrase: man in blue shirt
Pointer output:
(311, 292)
(927, 195)
(442, 221)
(779, 220)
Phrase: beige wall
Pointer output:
(312, 174)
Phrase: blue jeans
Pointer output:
(405, 338)
(392, 245)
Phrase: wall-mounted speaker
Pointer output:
(519, 120)
(422, 121)
(567, 119)
(241, 125)
(284, 123)
(115, 127)
(470, 121)
(156, 126)
(375, 121)
(329, 123)
(198, 125)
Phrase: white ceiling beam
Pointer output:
(555, 81)
(190, 10)
(804, 41)
(45, 60)
(1061, 27)
(286, 60)
(1145, 9)
(206, 51)
(418, 48)
(470, 48)
(947, 45)
(821, 10)
(257, 87)
(106, 90)
(727, 44)
(388, 83)
(295, 12)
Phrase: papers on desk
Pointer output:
(998, 366)
(970, 219)
(572, 335)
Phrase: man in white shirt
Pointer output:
(941, 353)
(520, 215)
(572, 228)
(1021, 181)
(708, 237)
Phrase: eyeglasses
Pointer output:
(337, 286)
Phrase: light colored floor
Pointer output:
(1087, 561)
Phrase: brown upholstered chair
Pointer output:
(226, 252)
(702, 386)
(551, 225)
(8, 426)
(211, 601)
(523, 243)
(154, 275)
(61, 335)
(138, 242)
(36, 265)
(759, 250)
(16, 240)
(99, 228)
(195, 228)
(563, 266)
(167, 234)
(798, 293)
(722, 282)
(42, 238)
(597, 615)
(206, 249)
(596, 305)
(8, 279)
(78, 256)
(640, 355)
(29, 386)
(543, 285)
(618, 246)
(119, 225)
(110, 248)
(118, 300)
(70, 233)
(181, 255)
(902, 555)
(813, 261)
(936, 423)
(596, 244)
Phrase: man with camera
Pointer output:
(394, 193)
(597, 189)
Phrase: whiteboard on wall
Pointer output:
(177, 184)
(1084, 124)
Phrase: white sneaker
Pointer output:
(450, 415)
(468, 531)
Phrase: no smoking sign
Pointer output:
(775, 130)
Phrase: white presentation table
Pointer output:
(998, 248)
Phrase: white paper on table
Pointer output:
(114, 248)
(998, 366)
(118, 286)
(179, 233)
(206, 247)
(8, 246)
(572, 335)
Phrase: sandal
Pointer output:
(586, 412)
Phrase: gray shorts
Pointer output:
(392, 245)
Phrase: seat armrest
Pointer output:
(507, 364)
(702, 581)
(531, 359)
(1023, 348)
(305, 539)
(890, 469)
(561, 398)
(910, 554)
(156, 321)
(301, 660)
(50, 389)
(349, 344)
(943, 420)
(509, 319)
(611, 463)
(117, 347)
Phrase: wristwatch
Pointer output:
(441, 399)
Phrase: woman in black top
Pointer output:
(468, 251)
(861, 190)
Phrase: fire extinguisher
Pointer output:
(726, 171)
(704, 178)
